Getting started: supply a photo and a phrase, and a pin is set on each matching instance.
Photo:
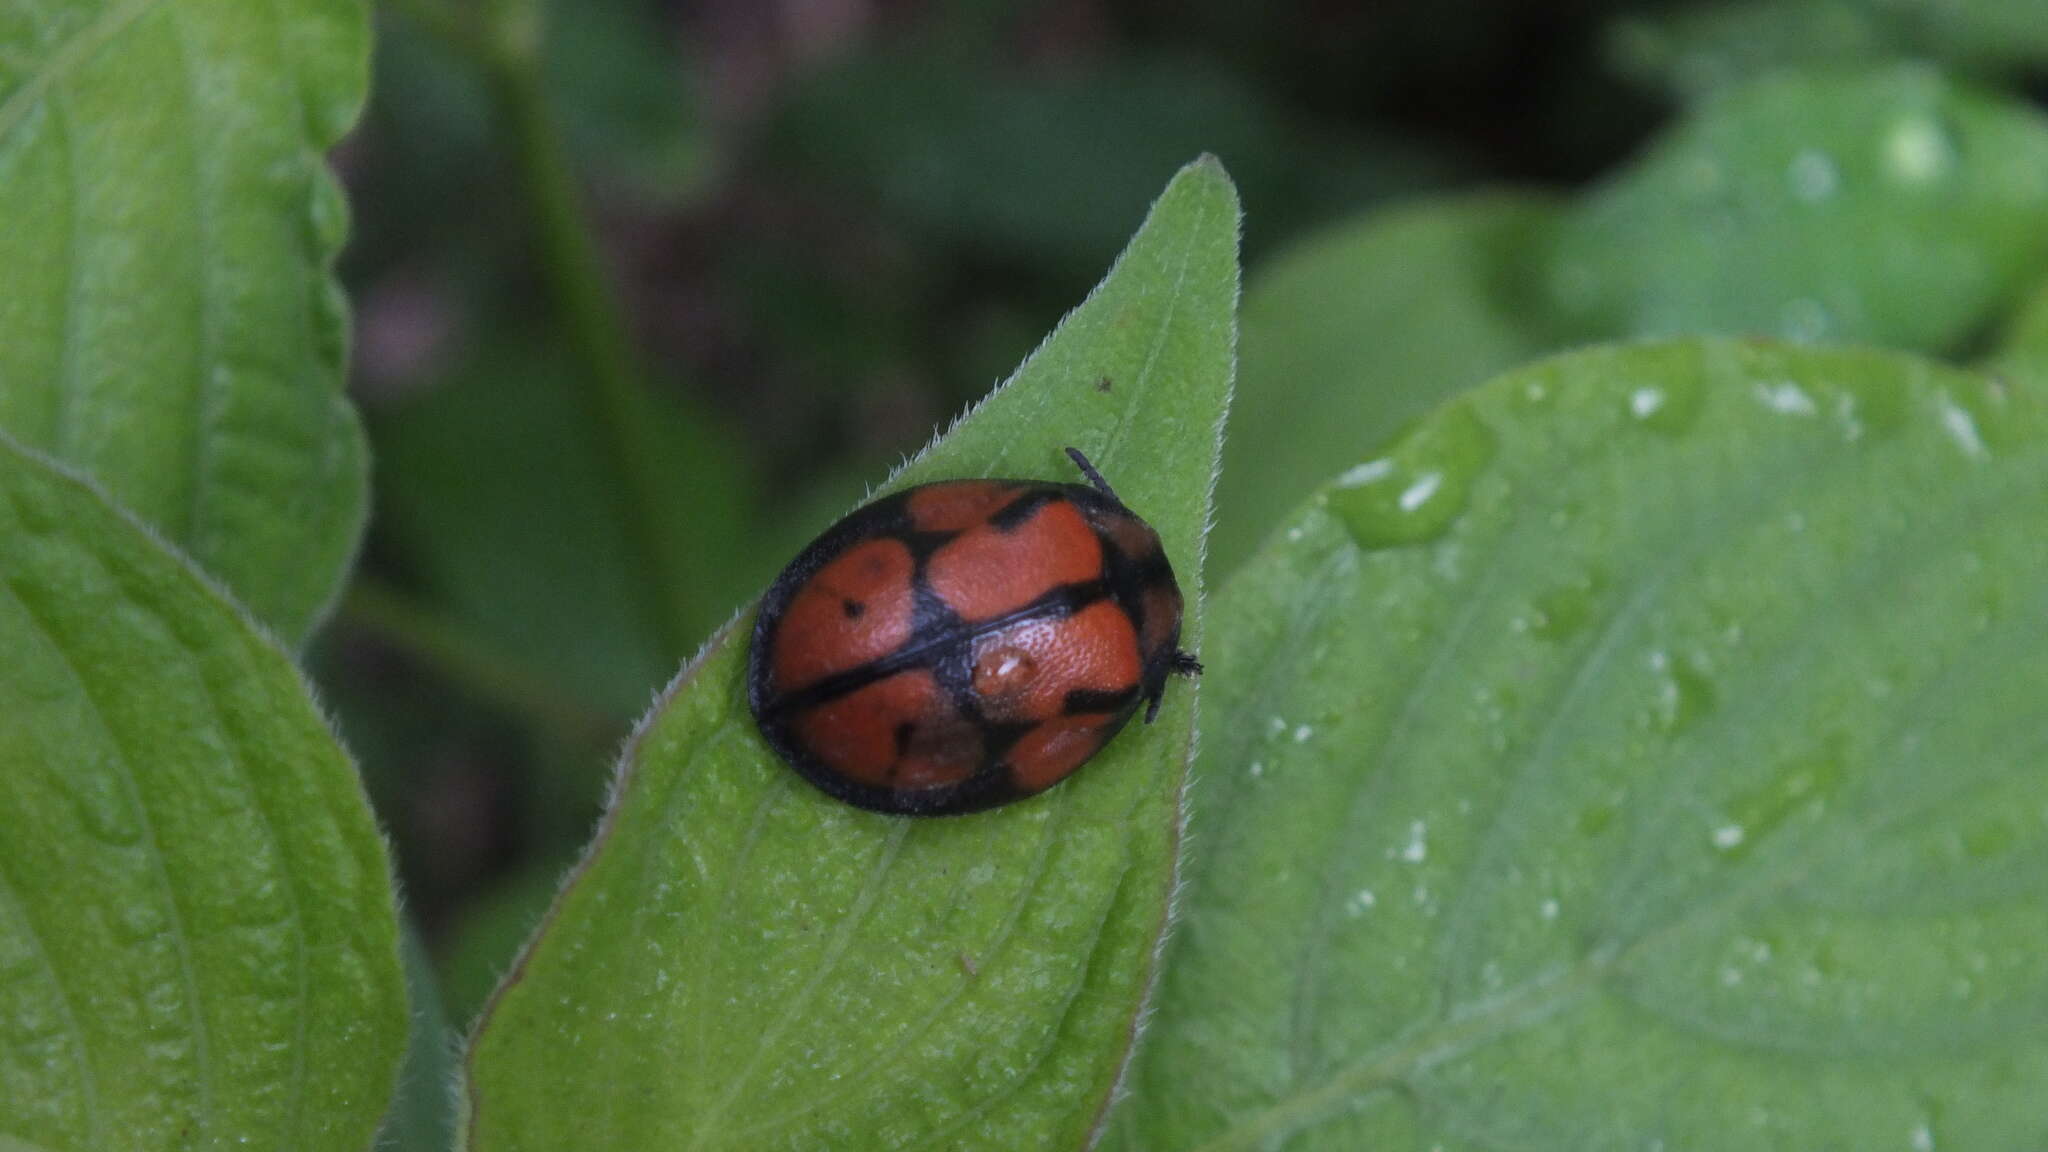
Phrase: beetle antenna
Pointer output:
(1094, 477)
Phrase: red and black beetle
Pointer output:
(963, 644)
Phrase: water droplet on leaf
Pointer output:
(1803, 783)
(1418, 490)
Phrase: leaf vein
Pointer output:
(88, 1088)
(58, 64)
(125, 765)
(842, 939)
(1327, 906)
(1173, 298)
(1011, 918)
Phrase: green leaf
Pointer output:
(1644, 752)
(1889, 206)
(744, 963)
(2022, 355)
(1999, 37)
(1693, 49)
(198, 946)
(1359, 329)
(170, 324)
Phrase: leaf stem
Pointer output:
(503, 37)
(617, 397)
(474, 665)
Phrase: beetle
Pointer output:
(962, 644)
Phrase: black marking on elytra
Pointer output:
(905, 733)
(1129, 577)
(852, 608)
(937, 635)
(930, 616)
(1081, 700)
(950, 643)
(922, 544)
(1153, 570)
(1019, 512)
(1002, 739)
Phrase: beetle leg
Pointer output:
(1185, 664)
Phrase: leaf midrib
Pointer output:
(874, 1066)
(1173, 298)
(1054, 1034)
(710, 1126)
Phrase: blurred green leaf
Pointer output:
(422, 1117)
(615, 74)
(1998, 37)
(745, 963)
(1050, 168)
(2022, 355)
(1694, 49)
(198, 947)
(493, 486)
(169, 322)
(1363, 327)
(1890, 207)
(1645, 751)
